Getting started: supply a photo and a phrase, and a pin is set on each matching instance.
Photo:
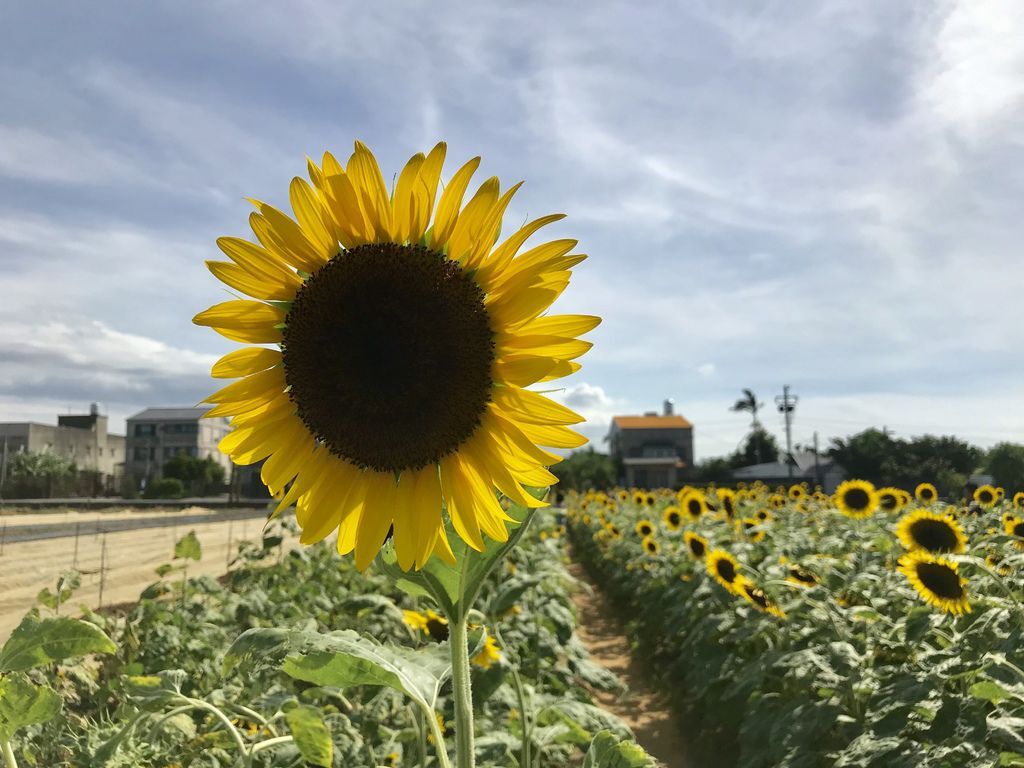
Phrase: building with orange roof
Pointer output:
(654, 450)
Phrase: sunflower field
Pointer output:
(213, 673)
(874, 627)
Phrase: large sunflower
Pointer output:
(1014, 526)
(727, 502)
(801, 576)
(986, 496)
(937, 580)
(856, 498)
(931, 531)
(644, 528)
(672, 518)
(695, 504)
(756, 596)
(926, 493)
(723, 567)
(651, 545)
(890, 499)
(407, 338)
(696, 544)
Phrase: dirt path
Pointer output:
(129, 562)
(641, 708)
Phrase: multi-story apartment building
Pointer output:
(83, 439)
(157, 434)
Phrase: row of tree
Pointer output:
(44, 474)
(946, 461)
(873, 455)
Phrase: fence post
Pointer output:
(103, 567)
(227, 563)
(74, 558)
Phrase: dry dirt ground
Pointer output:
(129, 560)
(640, 707)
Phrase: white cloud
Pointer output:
(827, 196)
(706, 369)
(974, 82)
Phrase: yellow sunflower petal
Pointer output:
(258, 386)
(533, 408)
(489, 229)
(258, 261)
(280, 235)
(235, 277)
(501, 256)
(242, 320)
(460, 504)
(343, 206)
(552, 436)
(450, 203)
(311, 215)
(471, 221)
(244, 361)
(332, 503)
(403, 204)
(565, 326)
(426, 190)
(377, 516)
(365, 174)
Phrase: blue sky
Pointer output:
(823, 195)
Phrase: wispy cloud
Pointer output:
(822, 196)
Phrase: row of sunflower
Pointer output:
(867, 627)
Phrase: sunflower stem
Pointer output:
(465, 746)
(9, 760)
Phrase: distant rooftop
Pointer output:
(652, 422)
(171, 414)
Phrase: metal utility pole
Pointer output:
(817, 466)
(786, 403)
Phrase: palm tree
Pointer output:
(750, 403)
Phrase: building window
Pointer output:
(145, 430)
(191, 451)
(141, 454)
(659, 451)
(187, 428)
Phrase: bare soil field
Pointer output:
(118, 564)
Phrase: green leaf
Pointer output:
(989, 690)
(455, 587)
(188, 547)
(1011, 759)
(37, 642)
(266, 647)
(606, 751)
(311, 734)
(344, 659)
(22, 703)
(156, 690)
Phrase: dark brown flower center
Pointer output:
(856, 498)
(941, 580)
(726, 570)
(387, 353)
(934, 535)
